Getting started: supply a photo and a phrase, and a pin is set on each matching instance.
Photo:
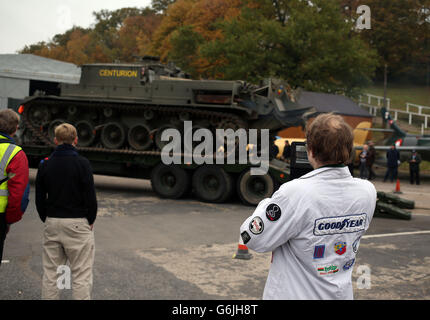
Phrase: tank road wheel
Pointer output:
(39, 115)
(252, 188)
(72, 111)
(113, 135)
(212, 184)
(169, 181)
(108, 112)
(139, 137)
(86, 133)
(52, 126)
(160, 144)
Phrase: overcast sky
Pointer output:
(24, 22)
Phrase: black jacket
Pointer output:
(65, 186)
(414, 165)
(393, 156)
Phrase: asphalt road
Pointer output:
(152, 248)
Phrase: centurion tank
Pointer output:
(123, 108)
(127, 106)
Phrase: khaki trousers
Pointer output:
(68, 240)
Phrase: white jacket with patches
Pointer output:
(313, 226)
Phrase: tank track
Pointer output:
(40, 136)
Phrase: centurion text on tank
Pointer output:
(123, 108)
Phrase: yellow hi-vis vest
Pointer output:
(7, 151)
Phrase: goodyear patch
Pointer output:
(337, 225)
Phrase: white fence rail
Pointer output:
(412, 110)
(371, 97)
(420, 109)
(373, 110)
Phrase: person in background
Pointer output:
(414, 167)
(286, 154)
(363, 162)
(273, 148)
(371, 160)
(66, 203)
(14, 186)
(393, 159)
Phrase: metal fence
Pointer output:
(412, 110)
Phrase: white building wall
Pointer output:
(3, 103)
(13, 88)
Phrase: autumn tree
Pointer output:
(71, 46)
(114, 30)
(116, 35)
(186, 26)
(135, 36)
(307, 43)
(400, 32)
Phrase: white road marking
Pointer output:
(395, 234)
(5, 261)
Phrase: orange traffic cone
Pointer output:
(398, 187)
(242, 251)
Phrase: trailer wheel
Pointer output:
(212, 184)
(252, 188)
(169, 181)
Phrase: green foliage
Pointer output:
(33, 47)
(400, 32)
(185, 44)
(310, 46)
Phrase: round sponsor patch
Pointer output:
(273, 212)
(256, 226)
(349, 264)
(340, 247)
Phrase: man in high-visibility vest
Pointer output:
(14, 186)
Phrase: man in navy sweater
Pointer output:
(66, 203)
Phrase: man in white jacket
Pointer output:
(313, 225)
